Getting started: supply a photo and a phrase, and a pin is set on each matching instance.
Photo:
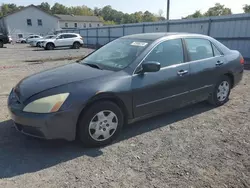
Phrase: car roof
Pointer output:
(155, 36)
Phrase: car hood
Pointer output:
(59, 76)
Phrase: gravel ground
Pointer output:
(198, 146)
(24, 52)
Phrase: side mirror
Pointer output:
(151, 66)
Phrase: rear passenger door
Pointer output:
(206, 63)
(69, 39)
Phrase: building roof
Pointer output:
(64, 17)
(27, 8)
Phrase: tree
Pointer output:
(160, 13)
(246, 8)
(218, 10)
(148, 17)
(59, 9)
(81, 10)
(8, 8)
(197, 14)
(44, 6)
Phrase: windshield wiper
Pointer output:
(93, 65)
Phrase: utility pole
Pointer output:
(168, 8)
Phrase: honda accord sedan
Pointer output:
(129, 79)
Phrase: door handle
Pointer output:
(182, 72)
(219, 63)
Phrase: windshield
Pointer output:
(117, 54)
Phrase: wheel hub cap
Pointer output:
(103, 125)
(223, 91)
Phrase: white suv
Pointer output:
(72, 40)
(32, 37)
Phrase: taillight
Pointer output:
(242, 61)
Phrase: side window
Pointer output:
(167, 53)
(216, 51)
(61, 37)
(29, 22)
(39, 22)
(199, 49)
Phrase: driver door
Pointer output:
(60, 41)
(164, 90)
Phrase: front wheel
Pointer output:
(101, 124)
(1, 44)
(50, 46)
(221, 92)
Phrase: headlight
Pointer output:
(47, 104)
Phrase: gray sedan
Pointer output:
(130, 79)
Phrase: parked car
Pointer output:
(10, 39)
(21, 40)
(36, 42)
(71, 40)
(4, 39)
(130, 79)
(33, 37)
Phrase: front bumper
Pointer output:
(60, 125)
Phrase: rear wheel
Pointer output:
(76, 45)
(101, 124)
(50, 46)
(221, 92)
(1, 44)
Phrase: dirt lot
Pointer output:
(198, 146)
(24, 52)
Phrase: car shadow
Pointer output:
(247, 66)
(20, 154)
(56, 49)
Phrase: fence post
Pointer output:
(167, 26)
(87, 37)
(209, 26)
(109, 33)
(143, 28)
(123, 30)
(97, 37)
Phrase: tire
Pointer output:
(23, 42)
(1, 44)
(76, 45)
(50, 46)
(221, 92)
(93, 125)
(37, 44)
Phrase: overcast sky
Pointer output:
(179, 8)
